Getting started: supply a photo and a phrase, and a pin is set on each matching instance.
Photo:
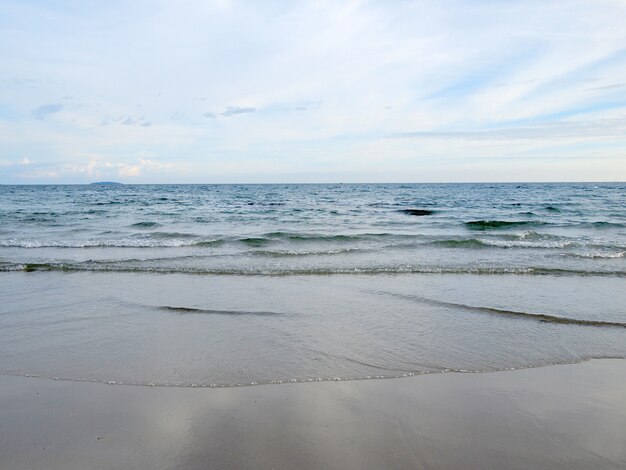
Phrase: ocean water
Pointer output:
(224, 285)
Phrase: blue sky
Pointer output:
(324, 91)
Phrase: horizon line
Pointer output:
(116, 183)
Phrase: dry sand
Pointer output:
(569, 416)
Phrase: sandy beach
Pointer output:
(566, 416)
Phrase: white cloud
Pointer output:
(309, 87)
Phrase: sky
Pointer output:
(312, 91)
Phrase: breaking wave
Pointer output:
(303, 271)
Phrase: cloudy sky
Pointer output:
(321, 91)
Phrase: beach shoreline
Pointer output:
(564, 416)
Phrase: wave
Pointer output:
(176, 239)
(485, 243)
(462, 243)
(294, 244)
(294, 253)
(542, 317)
(173, 235)
(187, 310)
(602, 224)
(255, 241)
(304, 271)
(208, 243)
(271, 237)
(529, 239)
(495, 224)
(417, 212)
(528, 244)
(146, 225)
(598, 255)
(160, 240)
(305, 237)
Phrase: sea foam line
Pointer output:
(192, 310)
(277, 272)
(447, 370)
(542, 317)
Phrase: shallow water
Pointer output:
(224, 285)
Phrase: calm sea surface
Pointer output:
(238, 284)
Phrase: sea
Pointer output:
(239, 285)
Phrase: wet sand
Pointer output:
(568, 416)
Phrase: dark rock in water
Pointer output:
(417, 212)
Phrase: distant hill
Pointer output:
(107, 183)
